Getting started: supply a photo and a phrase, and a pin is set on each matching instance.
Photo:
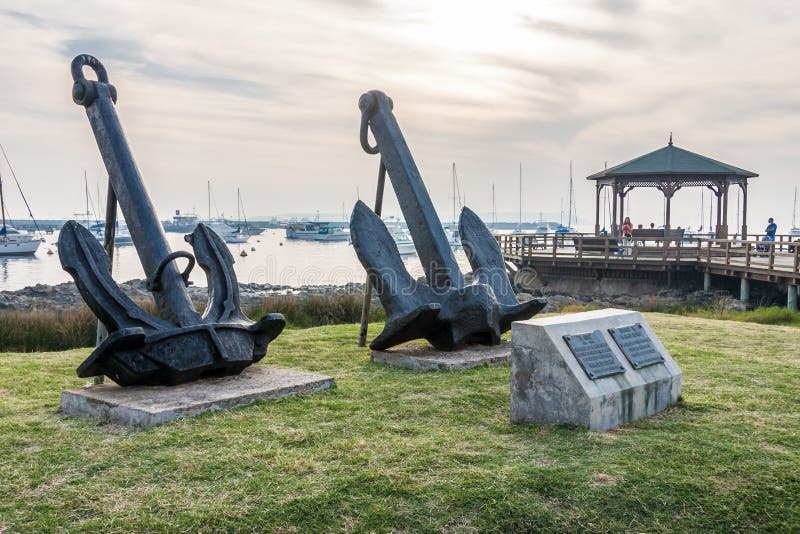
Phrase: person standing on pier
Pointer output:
(771, 229)
(627, 231)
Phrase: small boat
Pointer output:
(795, 231)
(184, 223)
(240, 234)
(16, 243)
(121, 235)
(453, 235)
(12, 241)
(402, 238)
(399, 232)
(316, 231)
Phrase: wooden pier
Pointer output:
(587, 255)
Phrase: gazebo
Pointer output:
(670, 169)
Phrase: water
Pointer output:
(275, 260)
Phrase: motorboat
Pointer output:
(184, 223)
(316, 231)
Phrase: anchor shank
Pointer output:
(435, 254)
(146, 231)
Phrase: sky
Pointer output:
(263, 96)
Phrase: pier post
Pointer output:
(791, 297)
(706, 281)
(744, 290)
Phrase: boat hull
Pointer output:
(26, 248)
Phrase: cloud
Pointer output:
(617, 7)
(615, 38)
(133, 53)
(27, 18)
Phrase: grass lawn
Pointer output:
(394, 450)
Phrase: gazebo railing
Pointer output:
(781, 256)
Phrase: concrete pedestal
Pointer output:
(151, 405)
(427, 358)
(549, 386)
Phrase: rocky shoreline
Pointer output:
(65, 296)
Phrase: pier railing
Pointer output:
(780, 257)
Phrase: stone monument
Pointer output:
(596, 369)
(445, 310)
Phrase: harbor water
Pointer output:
(271, 259)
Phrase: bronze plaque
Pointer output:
(636, 345)
(594, 355)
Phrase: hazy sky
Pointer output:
(263, 96)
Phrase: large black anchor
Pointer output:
(180, 345)
(446, 311)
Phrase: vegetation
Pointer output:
(769, 315)
(49, 330)
(394, 450)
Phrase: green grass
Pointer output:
(392, 450)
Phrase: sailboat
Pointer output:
(239, 234)
(97, 227)
(795, 231)
(223, 229)
(568, 228)
(451, 230)
(12, 241)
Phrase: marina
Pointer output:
(276, 261)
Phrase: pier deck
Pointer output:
(777, 262)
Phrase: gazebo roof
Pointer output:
(672, 160)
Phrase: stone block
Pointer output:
(427, 358)
(549, 386)
(151, 405)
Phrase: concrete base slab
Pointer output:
(151, 405)
(549, 386)
(427, 358)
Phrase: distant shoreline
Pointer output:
(65, 296)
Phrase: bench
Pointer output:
(644, 234)
(677, 233)
(596, 244)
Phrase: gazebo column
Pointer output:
(744, 209)
(669, 190)
(718, 229)
(598, 188)
(724, 186)
(614, 227)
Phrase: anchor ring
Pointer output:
(154, 284)
(84, 91)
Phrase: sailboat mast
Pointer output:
(454, 192)
(569, 213)
(86, 190)
(520, 196)
(2, 204)
(794, 209)
(494, 209)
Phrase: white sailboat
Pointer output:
(12, 241)
(795, 231)
(572, 208)
(239, 234)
